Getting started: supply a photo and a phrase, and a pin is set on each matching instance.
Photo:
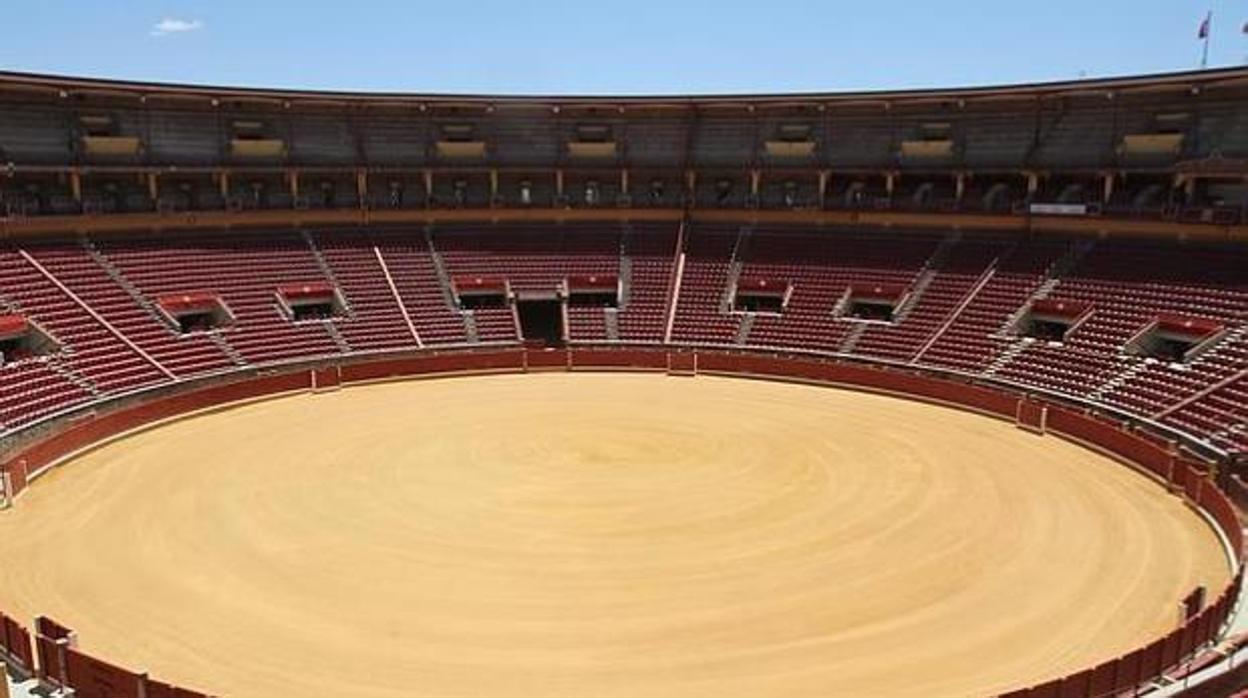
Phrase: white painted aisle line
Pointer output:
(98, 318)
(385, 269)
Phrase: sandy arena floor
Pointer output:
(601, 535)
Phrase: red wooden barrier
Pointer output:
(1104, 678)
(15, 640)
(915, 385)
(17, 471)
(1111, 437)
(1052, 689)
(1172, 648)
(547, 358)
(1222, 510)
(1077, 685)
(1128, 671)
(619, 359)
(1030, 415)
(93, 430)
(1150, 660)
(509, 359)
(682, 363)
(156, 689)
(326, 378)
(1189, 642)
(51, 668)
(92, 678)
(1204, 627)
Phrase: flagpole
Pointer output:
(1206, 28)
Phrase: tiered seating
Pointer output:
(948, 287)
(1159, 385)
(89, 348)
(822, 265)
(969, 344)
(376, 322)
(32, 389)
(407, 255)
(1129, 284)
(183, 355)
(533, 260)
(245, 270)
(1222, 415)
(586, 324)
(699, 319)
(651, 250)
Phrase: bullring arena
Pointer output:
(334, 394)
(605, 534)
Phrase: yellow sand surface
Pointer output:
(601, 535)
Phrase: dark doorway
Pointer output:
(541, 321)
(871, 309)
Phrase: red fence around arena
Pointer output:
(59, 661)
(16, 646)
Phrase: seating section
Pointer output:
(185, 356)
(650, 251)
(91, 353)
(1128, 285)
(33, 389)
(822, 265)
(245, 270)
(535, 260)
(700, 316)
(1219, 414)
(939, 292)
(375, 322)
(95, 298)
(587, 324)
(977, 335)
(415, 277)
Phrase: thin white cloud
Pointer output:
(171, 25)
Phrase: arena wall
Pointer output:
(61, 663)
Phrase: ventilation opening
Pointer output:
(594, 291)
(1175, 338)
(877, 302)
(871, 309)
(1051, 320)
(196, 312)
(541, 321)
(311, 301)
(477, 292)
(481, 302)
(758, 295)
(21, 339)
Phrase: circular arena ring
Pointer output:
(620, 533)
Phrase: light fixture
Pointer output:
(526, 193)
(656, 191)
(591, 192)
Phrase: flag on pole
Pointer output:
(1203, 34)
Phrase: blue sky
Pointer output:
(632, 47)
